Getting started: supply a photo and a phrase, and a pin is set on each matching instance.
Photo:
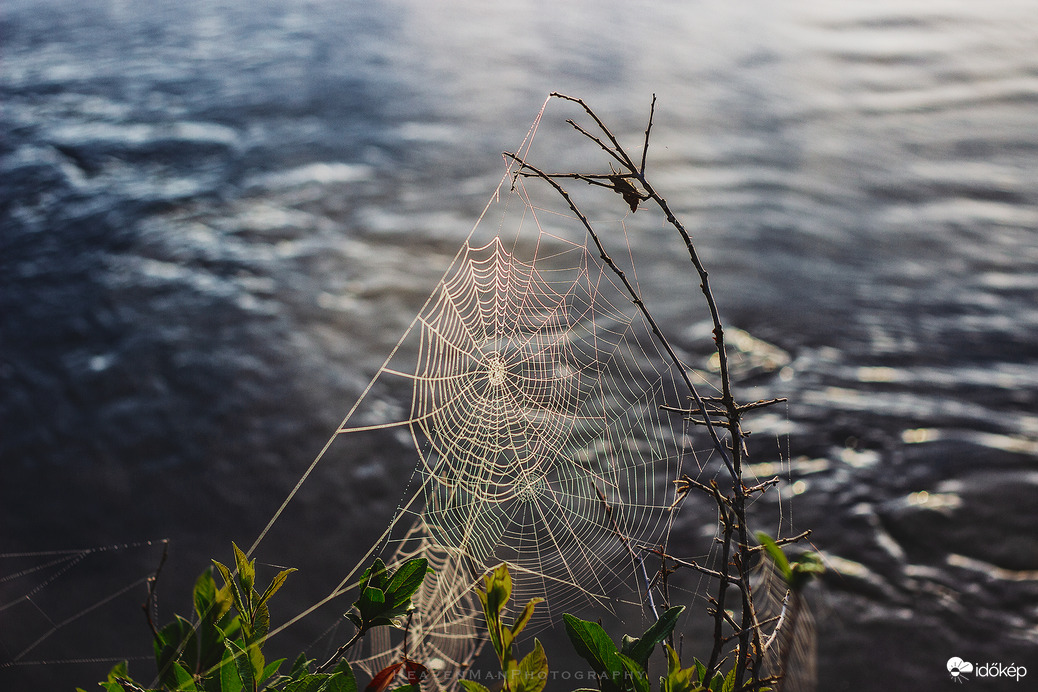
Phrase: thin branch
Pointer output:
(731, 623)
(686, 483)
(618, 152)
(764, 485)
(635, 298)
(724, 412)
(691, 564)
(151, 604)
(720, 613)
(783, 541)
(761, 403)
(645, 147)
(593, 178)
(697, 421)
(637, 559)
(599, 142)
(340, 652)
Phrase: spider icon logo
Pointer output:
(958, 668)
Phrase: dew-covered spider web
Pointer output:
(536, 393)
(541, 410)
(536, 417)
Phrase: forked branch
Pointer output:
(714, 413)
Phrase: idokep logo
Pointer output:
(958, 668)
(961, 670)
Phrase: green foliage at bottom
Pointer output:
(529, 674)
(222, 649)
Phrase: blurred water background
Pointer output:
(217, 217)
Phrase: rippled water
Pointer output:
(215, 221)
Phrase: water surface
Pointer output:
(215, 221)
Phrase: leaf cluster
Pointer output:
(529, 674)
(386, 598)
(626, 668)
(222, 649)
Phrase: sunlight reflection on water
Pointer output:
(218, 219)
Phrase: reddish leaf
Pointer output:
(415, 671)
(384, 678)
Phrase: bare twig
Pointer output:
(645, 147)
(713, 413)
(783, 541)
(150, 606)
(635, 298)
(340, 652)
(761, 487)
(635, 557)
(691, 564)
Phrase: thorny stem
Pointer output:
(732, 509)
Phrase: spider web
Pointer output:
(535, 415)
(536, 390)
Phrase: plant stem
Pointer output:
(341, 651)
(732, 510)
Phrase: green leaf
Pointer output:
(635, 674)
(472, 686)
(270, 670)
(118, 671)
(406, 581)
(777, 555)
(300, 666)
(246, 570)
(211, 605)
(257, 660)
(185, 682)
(231, 583)
(342, 679)
(700, 668)
(807, 567)
(125, 685)
(205, 594)
(275, 584)
(173, 642)
(498, 589)
(374, 576)
(640, 649)
(230, 681)
(729, 681)
(681, 679)
(532, 672)
(260, 623)
(371, 608)
(372, 599)
(242, 664)
(524, 617)
(311, 682)
(594, 646)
